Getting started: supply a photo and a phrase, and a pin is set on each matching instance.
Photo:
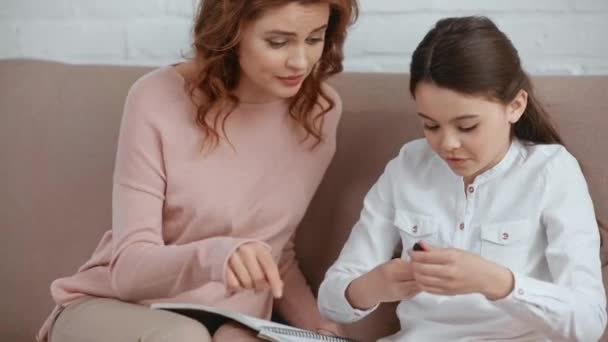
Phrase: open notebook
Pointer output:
(267, 330)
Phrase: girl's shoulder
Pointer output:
(414, 157)
(550, 155)
(553, 161)
(416, 151)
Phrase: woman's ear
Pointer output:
(517, 107)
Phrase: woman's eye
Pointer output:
(313, 41)
(431, 127)
(275, 44)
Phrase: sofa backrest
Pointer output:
(58, 138)
(57, 143)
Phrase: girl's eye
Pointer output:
(468, 129)
(431, 127)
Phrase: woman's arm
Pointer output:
(142, 266)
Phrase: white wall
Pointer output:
(553, 36)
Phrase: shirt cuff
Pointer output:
(339, 305)
(527, 294)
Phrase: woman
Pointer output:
(217, 160)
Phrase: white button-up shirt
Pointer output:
(531, 213)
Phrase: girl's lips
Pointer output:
(456, 161)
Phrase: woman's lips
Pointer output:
(291, 81)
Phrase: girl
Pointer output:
(499, 235)
(217, 161)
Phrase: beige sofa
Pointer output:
(58, 132)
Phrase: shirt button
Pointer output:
(520, 292)
(471, 189)
(461, 226)
(505, 236)
(415, 229)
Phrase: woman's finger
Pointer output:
(240, 271)
(250, 260)
(272, 274)
(232, 283)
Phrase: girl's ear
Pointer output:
(516, 108)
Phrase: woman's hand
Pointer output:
(331, 329)
(252, 267)
(451, 271)
(391, 281)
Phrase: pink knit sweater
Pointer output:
(179, 212)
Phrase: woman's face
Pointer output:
(279, 49)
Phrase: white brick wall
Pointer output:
(553, 36)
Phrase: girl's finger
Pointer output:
(431, 270)
(427, 281)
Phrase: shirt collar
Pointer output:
(516, 150)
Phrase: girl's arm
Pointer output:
(371, 243)
(573, 306)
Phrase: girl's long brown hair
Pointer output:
(470, 55)
(217, 32)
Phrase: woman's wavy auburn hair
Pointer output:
(217, 32)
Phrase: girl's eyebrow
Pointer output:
(458, 118)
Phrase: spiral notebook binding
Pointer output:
(307, 334)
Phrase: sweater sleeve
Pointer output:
(142, 266)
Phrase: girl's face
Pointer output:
(279, 50)
(470, 133)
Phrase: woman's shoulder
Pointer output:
(328, 92)
(155, 94)
(330, 104)
(156, 83)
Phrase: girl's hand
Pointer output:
(252, 267)
(391, 281)
(451, 271)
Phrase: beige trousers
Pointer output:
(105, 320)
